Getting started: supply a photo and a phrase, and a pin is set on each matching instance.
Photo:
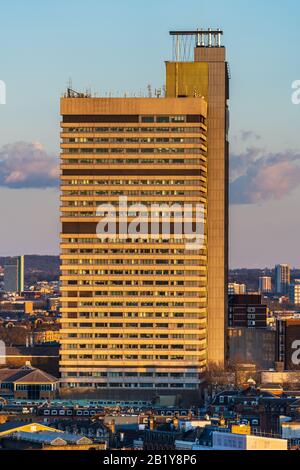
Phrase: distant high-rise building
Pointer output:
(236, 289)
(146, 316)
(14, 275)
(294, 292)
(282, 279)
(265, 285)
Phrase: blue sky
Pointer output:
(120, 46)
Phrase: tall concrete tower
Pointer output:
(145, 316)
(208, 76)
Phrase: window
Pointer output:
(147, 119)
(177, 119)
(162, 119)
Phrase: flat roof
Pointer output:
(133, 106)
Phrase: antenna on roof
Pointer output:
(183, 41)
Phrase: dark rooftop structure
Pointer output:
(27, 383)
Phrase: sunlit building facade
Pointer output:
(265, 285)
(136, 314)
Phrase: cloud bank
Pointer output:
(257, 176)
(27, 165)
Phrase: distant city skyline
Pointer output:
(105, 56)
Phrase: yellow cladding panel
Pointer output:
(187, 79)
(242, 430)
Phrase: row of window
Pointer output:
(134, 118)
(153, 262)
(131, 273)
(43, 388)
(137, 262)
(136, 293)
(75, 282)
(151, 273)
(165, 118)
(128, 357)
(157, 130)
(135, 282)
(125, 192)
(150, 208)
(177, 255)
(98, 284)
(111, 325)
(132, 336)
(173, 375)
(130, 385)
(138, 239)
(173, 347)
(156, 304)
(144, 212)
(131, 182)
(157, 315)
(134, 150)
(133, 140)
(134, 161)
(126, 251)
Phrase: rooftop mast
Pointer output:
(183, 41)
